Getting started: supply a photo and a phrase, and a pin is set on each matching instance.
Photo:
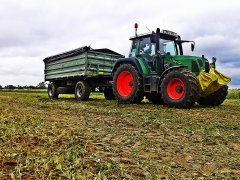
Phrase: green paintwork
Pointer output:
(185, 60)
(88, 64)
(144, 67)
(177, 60)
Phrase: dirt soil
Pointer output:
(67, 139)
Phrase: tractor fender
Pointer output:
(132, 61)
(169, 69)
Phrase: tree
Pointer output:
(41, 85)
(10, 87)
(19, 87)
(1, 87)
(31, 87)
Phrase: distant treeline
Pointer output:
(41, 85)
(233, 94)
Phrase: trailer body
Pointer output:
(91, 66)
(80, 63)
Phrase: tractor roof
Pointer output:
(165, 34)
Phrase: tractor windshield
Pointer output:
(168, 47)
(144, 47)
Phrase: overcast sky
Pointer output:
(31, 30)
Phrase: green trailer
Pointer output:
(81, 71)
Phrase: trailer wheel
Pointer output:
(108, 94)
(127, 84)
(82, 91)
(214, 99)
(180, 88)
(154, 98)
(52, 91)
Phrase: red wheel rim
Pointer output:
(125, 83)
(175, 88)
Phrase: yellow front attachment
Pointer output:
(212, 81)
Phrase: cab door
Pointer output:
(168, 50)
(147, 52)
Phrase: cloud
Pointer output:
(24, 71)
(34, 29)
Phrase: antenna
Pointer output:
(148, 29)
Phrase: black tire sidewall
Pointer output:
(52, 91)
(85, 91)
(216, 98)
(108, 94)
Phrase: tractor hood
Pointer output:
(193, 63)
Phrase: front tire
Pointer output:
(180, 88)
(82, 91)
(214, 99)
(127, 84)
(52, 91)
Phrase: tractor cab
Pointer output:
(146, 44)
(158, 50)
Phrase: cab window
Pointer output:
(147, 51)
(133, 49)
(167, 47)
(146, 47)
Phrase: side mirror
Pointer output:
(192, 46)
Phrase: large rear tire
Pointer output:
(52, 91)
(180, 88)
(214, 99)
(82, 91)
(127, 84)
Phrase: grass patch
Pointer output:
(42, 138)
(233, 94)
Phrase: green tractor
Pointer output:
(157, 69)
